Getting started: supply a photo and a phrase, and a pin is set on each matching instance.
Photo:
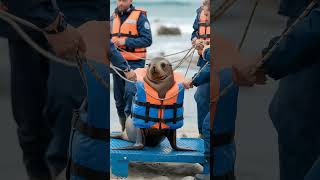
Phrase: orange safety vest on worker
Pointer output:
(204, 27)
(150, 112)
(129, 29)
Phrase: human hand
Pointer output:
(194, 41)
(248, 75)
(120, 42)
(131, 75)
(68, 43)
(187, 83)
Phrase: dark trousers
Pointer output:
(65, 93)
(29, 74)
(125, 91)
(42, 104)
(203, 103)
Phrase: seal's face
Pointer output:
(159, 69)
(160, 75)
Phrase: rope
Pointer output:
(33, 44)
(11, 20)
(78, 62)
(161, 99)
(248, 24)
(222, 9)
(147, 59)
(271, 51)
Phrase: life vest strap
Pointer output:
(123, 35)
(93, 132)
(147, 104)
(227, 176)
(87, 173)
(157, 119)
(223, 139)
(204, 36)
(205, 24)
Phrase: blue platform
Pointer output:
(163, 153)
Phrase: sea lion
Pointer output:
(161, 78)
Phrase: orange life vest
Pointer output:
(204, 27)
(150, 112)
(129, 29)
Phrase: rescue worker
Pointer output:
(30, 71)
(201, 33)
(29, 74)
(224, 117)
(224, 154)
(131, 33)
(294, 108)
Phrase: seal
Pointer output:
(160, 77)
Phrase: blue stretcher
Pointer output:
(163, 153)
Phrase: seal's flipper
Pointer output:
(133, 147)
(117, 136)
(121, 136)
(172, 137)
(140, 141)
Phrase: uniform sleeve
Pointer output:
(298, 50)
(145, 36)
(40, 12)
(204, 75)
(116, 58)
(195, 26)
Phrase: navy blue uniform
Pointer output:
(224, 122)
(124, 91)
(202, 91)
(294, 108)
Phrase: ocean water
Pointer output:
(170, 13)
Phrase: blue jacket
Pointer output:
(43, 12)
(292, 8)
(298, 51)
(204, 75)
(78, 12)
(196, 25)
(294, 108)
(145, 36)
(195, 33)
(116, 58)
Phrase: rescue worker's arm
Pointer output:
(145, 37)
(64, 40)
(204, 75)
(195, 26)
(40, 12)
(298, 50)
(117, 59)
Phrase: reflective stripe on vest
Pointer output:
(149, 112)
(204, 27)
(128, 29)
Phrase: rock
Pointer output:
(160, 178)
(188, 178)
(163, 30)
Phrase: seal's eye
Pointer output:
(163, 65)
(148, 65)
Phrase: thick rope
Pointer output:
(276, 45)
